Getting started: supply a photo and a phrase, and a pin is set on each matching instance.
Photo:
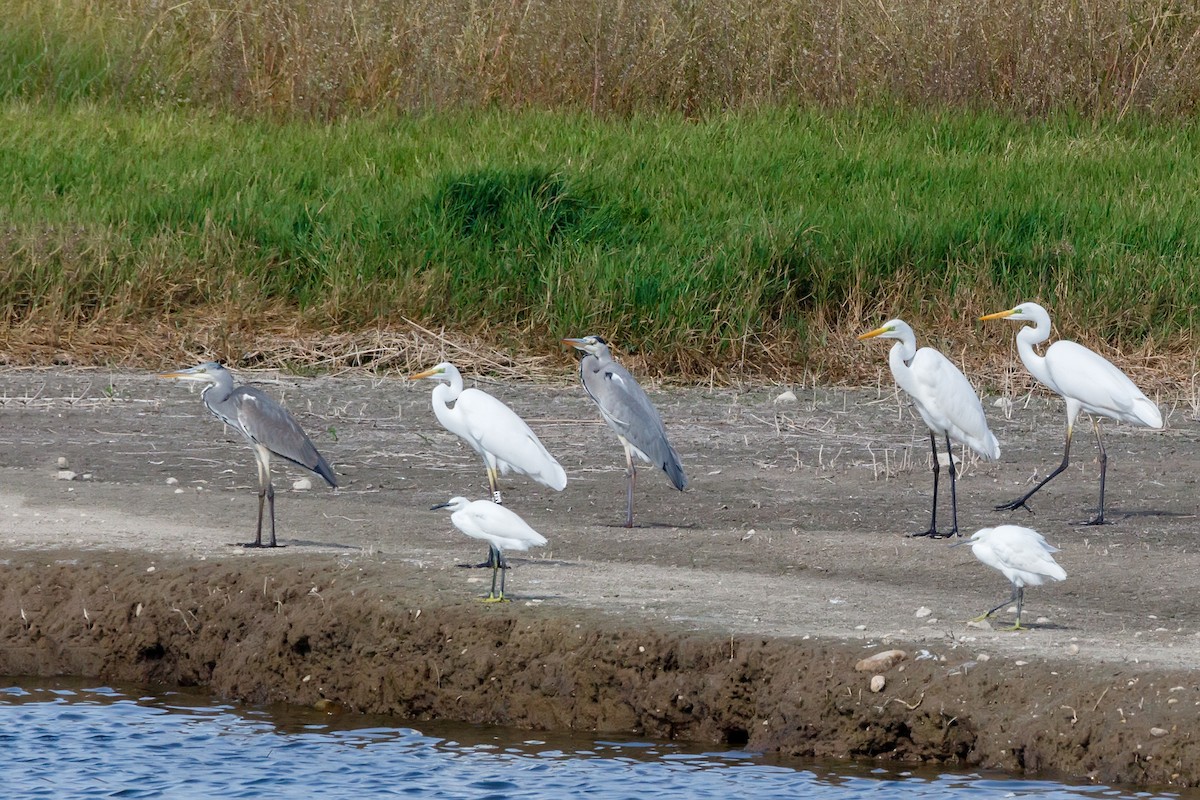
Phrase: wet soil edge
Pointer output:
(339, 636)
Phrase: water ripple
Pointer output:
(58, 742)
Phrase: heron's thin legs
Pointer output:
(494, 485)
(266, 492)
(990, 611)
(953, 489)
(499, 565)
(1020, 501)
(631, 474)
(1099, 518)
(937, 468)
(271, 505)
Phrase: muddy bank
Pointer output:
(285, 629)
(734, 613)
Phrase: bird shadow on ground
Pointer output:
(305, 543)
(685, 526)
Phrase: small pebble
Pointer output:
(1158, 731)
(786, 397)
(172, 481)
(1020, 663)
(860, 627)
(1072, 649)
(981, 624)
(62, 462)
(301, 485)
(877, 683)
(923, 612)
(65, 475)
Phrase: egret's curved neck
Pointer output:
(899, 356)
(445, 394)
(1027, 337)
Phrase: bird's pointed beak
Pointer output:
(439, 505)
(429, 373)
(181, 375)
(961, 542)
(998, 315)
(578, 344)
(872, 334)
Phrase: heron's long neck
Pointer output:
(443, 396)
(899, 356)
(217, 392)
(1027, 337)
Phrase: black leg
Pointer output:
(1020, 501)
(631, 473)
(1099, 518)
(953, 489)
(1014, 596)
(932, 533)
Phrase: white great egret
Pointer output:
(1086, 381)
(496, 525)
(946, 402)
(627, 409)
(266, 425)
(492, 429)
(1021, 554)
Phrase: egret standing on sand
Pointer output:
(496, 525)
(628, 411)
(1022, 554)
(492, 429)
(946, 402)
(267, 426)
(1087, 382)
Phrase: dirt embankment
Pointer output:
(735, 614)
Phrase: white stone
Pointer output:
(877, 683)
(65, 475)
(923, 611)
(786, 397)
(301, 485)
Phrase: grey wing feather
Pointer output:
(269, 424)
(628, 411)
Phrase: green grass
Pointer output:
(758, 237)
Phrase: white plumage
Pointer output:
(501, 528)
(944, 399)
(1021, 554)
(1085, 380)
(492, 429)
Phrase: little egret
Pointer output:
(628, 411)
(1087, 382)
(496, 525)
(267, 426)
(946, 402)
(1022, 554)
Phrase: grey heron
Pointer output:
(1021, 554)
(946, 402)
(266, 425)
(1087, 382)
(499, 527)
(628, 411)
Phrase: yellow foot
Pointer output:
(980, 618)
(492, 598)
(1017, 627)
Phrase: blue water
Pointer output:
(67, 741)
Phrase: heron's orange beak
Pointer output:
(169, 375)
(572, 342)
(874, 333)
(426, 374)
(998, 315)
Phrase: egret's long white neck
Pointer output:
(1027, 337)
(899, 356)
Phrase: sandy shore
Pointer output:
(734, 613)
